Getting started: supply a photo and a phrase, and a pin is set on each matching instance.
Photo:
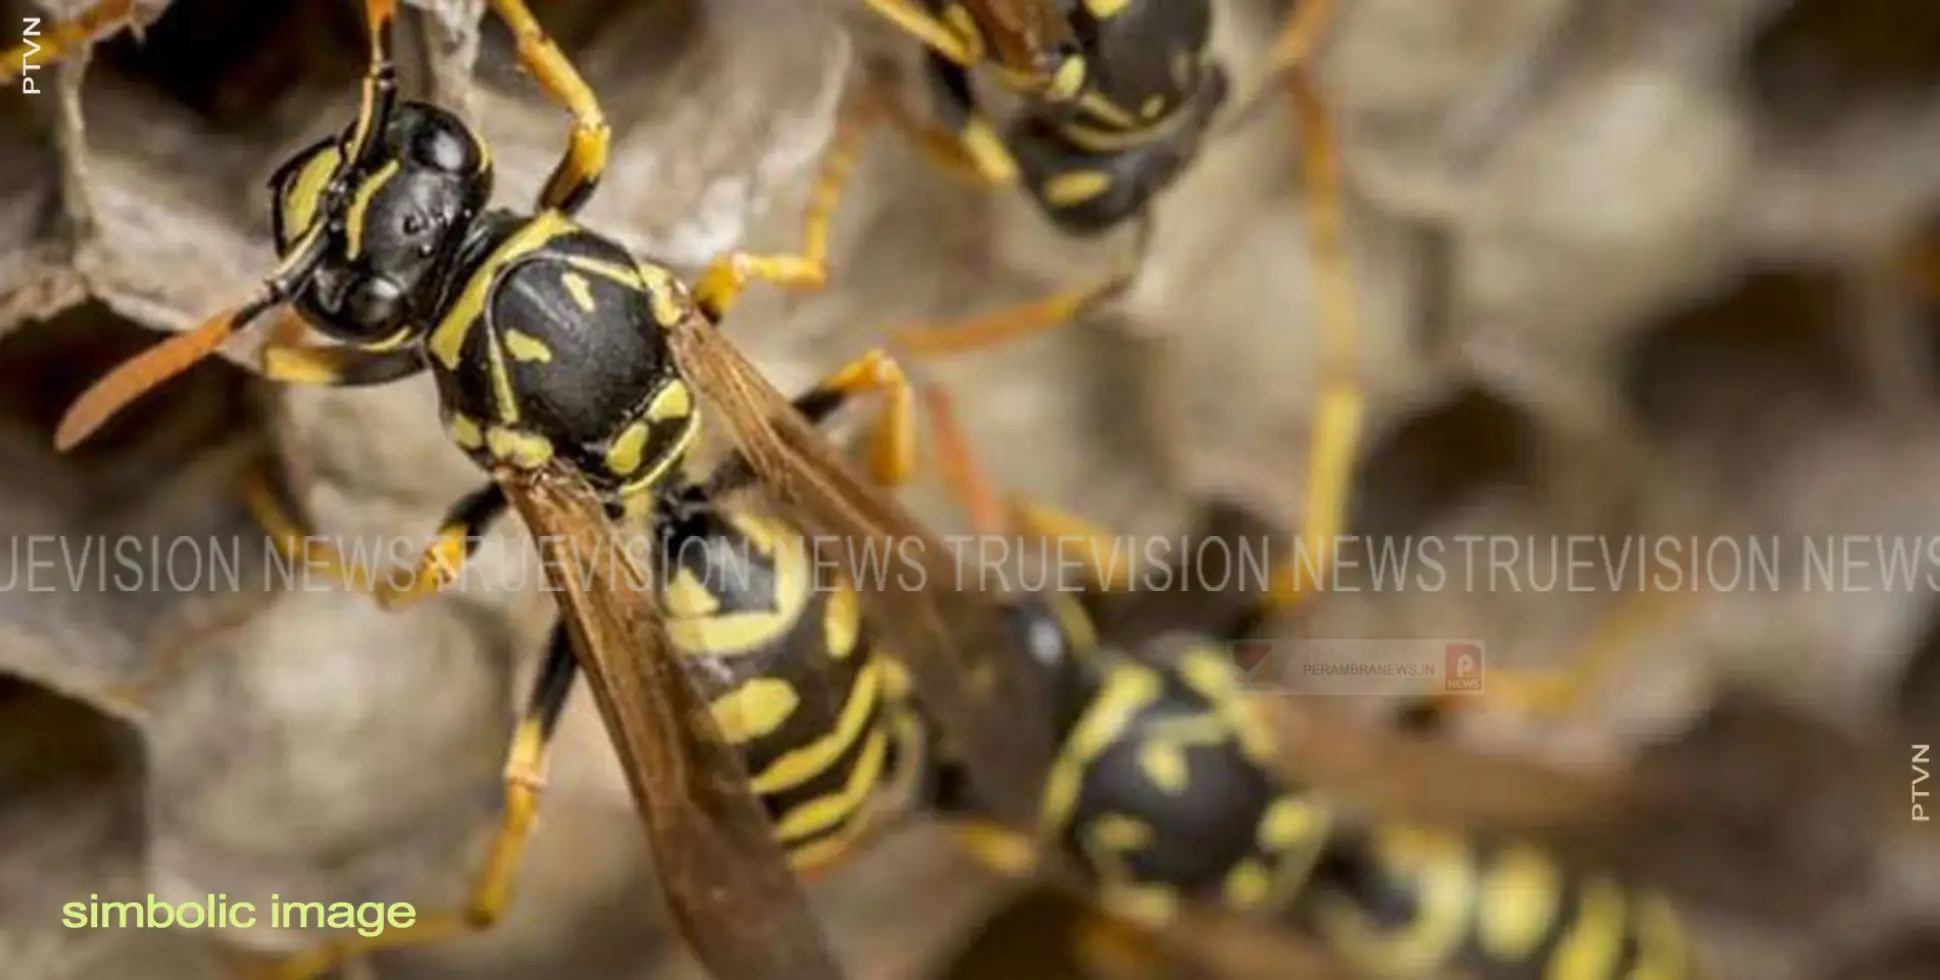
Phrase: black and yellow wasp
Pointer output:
(1118, 98)
(575, 374)
(1169, 792)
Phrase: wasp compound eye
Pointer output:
(374, 303)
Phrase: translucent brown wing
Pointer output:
(946, 631)
(1024, 33)
(727, 881)
(1421, 778)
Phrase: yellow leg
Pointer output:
(53, 42)
(490, 896)
(287, 359)
(951, 43)
(579, 172)
(380, 78)
(976, 156)
(440, 564)
(1300, 36)
(1558, 691)
(892, 437)
(996, 847)
(989, 516)
(1334, 442)
(292, 541)
(1099, 557)
(962, 476)
(720, 285)
(1024, 320)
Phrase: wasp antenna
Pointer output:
(146, 371)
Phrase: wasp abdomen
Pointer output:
(803, 690)
(1413, 902)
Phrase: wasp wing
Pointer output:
(962, 661)
(727, 881)
(1422, 778)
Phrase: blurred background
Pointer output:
(1626, 270)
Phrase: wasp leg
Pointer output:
(287, 359)
(458, 538)
(892, 438)
(972, 154)
(721, 283)
(1557, 691)
(958, 41)
(1300, 36)
(335, 366)
(380, 81)
(490, 895)
(93, 24)
(579, 172)
(1027, 319)
(996, 846)
(1338, 413)
(965, 127)
(973, 493)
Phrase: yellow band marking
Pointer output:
(305, 195)
(820, 814)
(1248, 885)
(797, 767)
(1209, 671)
(1662, 953)
(465, 432)
(623, 456)
(754, 709)
(1076, 187)
(580, 290)
(1518, 903)
(360, 206)
(526, 348)
(695, 622)
(523, 450)
(1127, 689)
(675, 401)
(1435, 868)
(1589, 950)
(448, 338)
(842, 623)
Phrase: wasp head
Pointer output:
(391, 221)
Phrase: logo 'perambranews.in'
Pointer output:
(1362, 667)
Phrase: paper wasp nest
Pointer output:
(1623, 268)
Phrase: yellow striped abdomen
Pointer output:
(816, 710)
(1416, 902)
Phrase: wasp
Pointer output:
(1169, 792)
(575, 374)
(1118, 98)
